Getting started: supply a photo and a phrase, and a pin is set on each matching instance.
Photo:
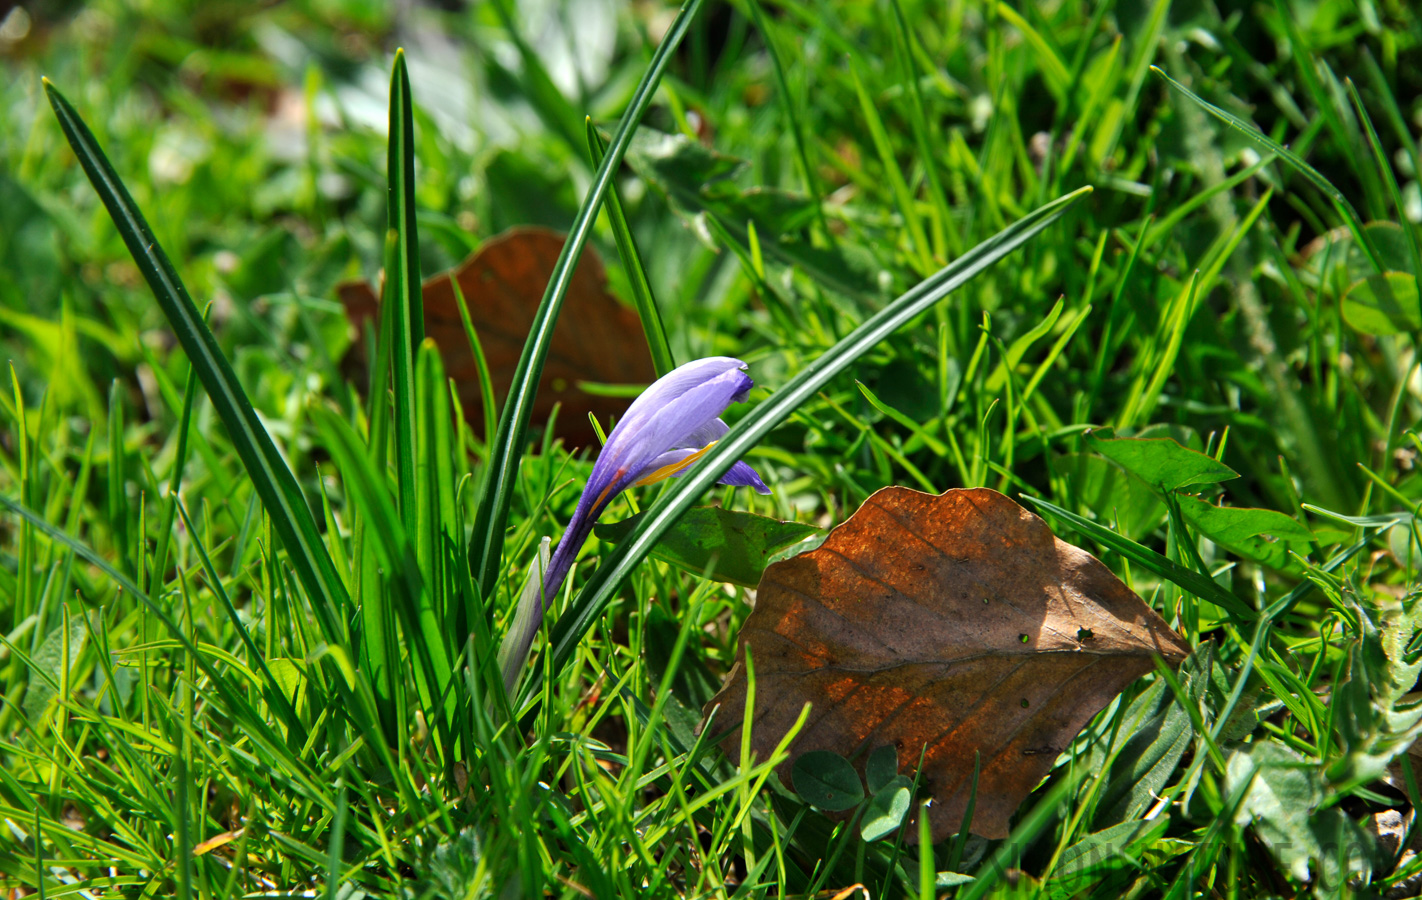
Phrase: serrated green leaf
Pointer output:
(1374, 713)
(734, 546)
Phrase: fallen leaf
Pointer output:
(956, 623)
(596, 340)
(213, 843)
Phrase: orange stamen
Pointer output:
(668, 471)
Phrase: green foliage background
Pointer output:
(180, 715)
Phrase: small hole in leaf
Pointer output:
(1024, 702)
(1083, 635)
(1023, 638)
(985, 601)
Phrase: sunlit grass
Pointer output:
(249, 650)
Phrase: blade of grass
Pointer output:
(922, 253)
(437, 617)
(787, 106)
(274, 696)
(662, 359)
(1314, 177)
(1187, 579)
(481, 363)
(918, 121)
(175, 481)
(1388, 178)
(391, 546)
(274, 483)
(402, 286)
(618, 564)
(487, 542)
(253, 725)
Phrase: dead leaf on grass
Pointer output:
(957, 621)
(597, 339)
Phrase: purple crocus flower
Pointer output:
(665, 430)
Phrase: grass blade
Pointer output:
(787, 105)
(662, 359)
(487, 543)
(402, 286)
(617, 565)
(274, 483)
(1350, 215)
(1187, 579)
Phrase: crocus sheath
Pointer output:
(664, 432)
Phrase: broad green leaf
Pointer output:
(1160, 462)
(1101, 854)
(1384, 304)
(1282, 802)
(827, 781)
(887, 808)
(1232, 524)
(733, 546)
(882, 767)
(1263, 535)
(629, 553)
(1101, 485)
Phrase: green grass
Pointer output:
(251, 599)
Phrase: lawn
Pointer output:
(283, 605)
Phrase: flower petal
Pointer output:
(709, 433)
(742, 475)
(640, 438)
(676, 463)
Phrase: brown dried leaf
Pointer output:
(597, 339)
(958, 622)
